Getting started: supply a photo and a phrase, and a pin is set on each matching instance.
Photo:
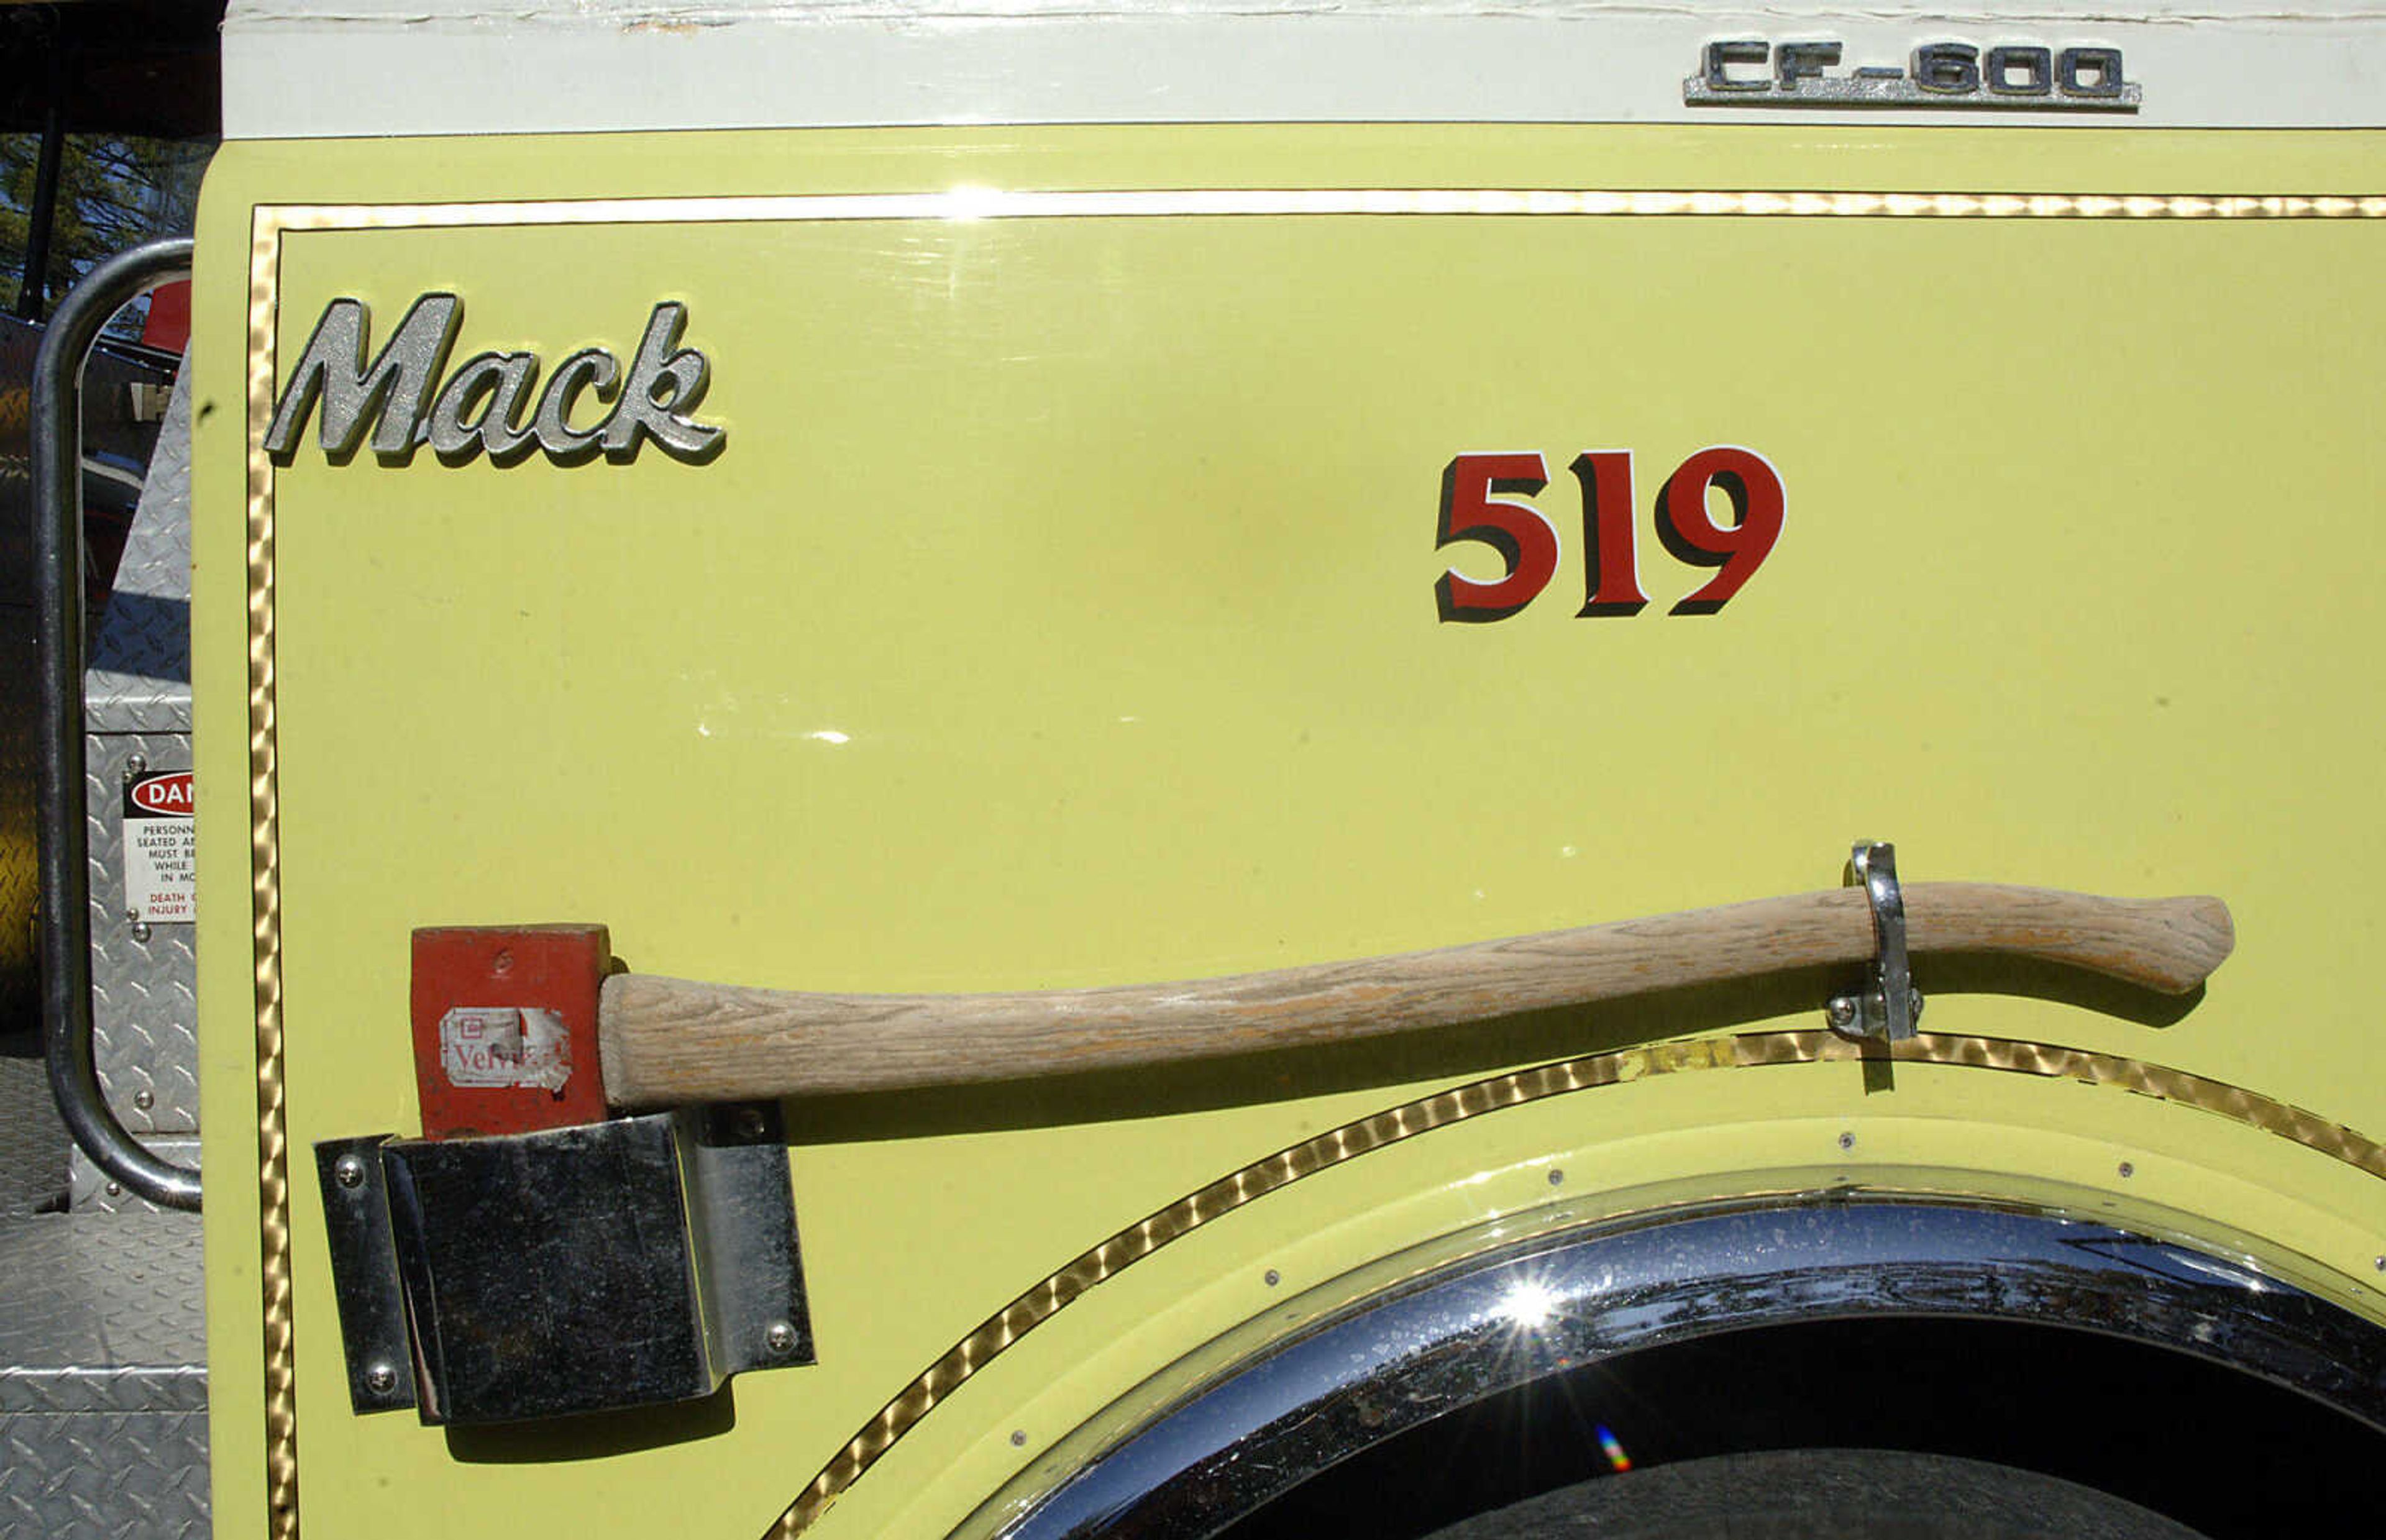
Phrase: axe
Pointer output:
(671, 1042)
(679, 1264)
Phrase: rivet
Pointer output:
(2381, 1264)
(2128, 1170)
(503, 963)
(779, 1337)
(1840, 1012)
(135, 767)
(1847, 1141)
(349, 1170)
(1018, 1438)
(380, 1379)
(140, 930)
(1557, 1177)
(145, 1100)
(115, 1189)
(748, 1123)
(1273, 1277)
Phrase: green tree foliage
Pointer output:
(113, 193)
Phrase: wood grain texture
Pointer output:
(671, 1041)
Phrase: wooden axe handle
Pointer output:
(669, 1041)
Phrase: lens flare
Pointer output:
(1614, 1449)
(1528, 1303)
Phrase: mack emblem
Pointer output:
(492, 403)
(2028, 78)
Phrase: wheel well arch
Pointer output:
(2232, 1456)
(1955, 1326)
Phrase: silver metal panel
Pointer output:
(33, 1141)
(137, 700)
(144, 1007)
(115, 444)
(103, 1391)
(103, 1383)
(83, 1293)
(105, 1475)
(93, 1191)
(103, 1377)
(140, 675)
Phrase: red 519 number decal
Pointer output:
(1478, 503)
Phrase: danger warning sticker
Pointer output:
(161, 849)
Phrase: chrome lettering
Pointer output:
(332, 369)
(1938, 76)
(481, 407)
(590, 369)
(491, 404)
(642, 413)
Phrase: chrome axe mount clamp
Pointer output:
(530, 1257)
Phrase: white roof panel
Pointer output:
(414, 66)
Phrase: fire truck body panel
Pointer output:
(1054, 502)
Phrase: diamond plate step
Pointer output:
(103, 1378)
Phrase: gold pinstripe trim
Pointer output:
(970, 203)
(2292, 1124)
(272, 223)
(1750, 1050)
(264, 906)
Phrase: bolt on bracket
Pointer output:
(632, 1262)
(1889, 1005)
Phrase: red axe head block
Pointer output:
(505, 1027)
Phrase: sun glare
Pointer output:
(1529, 1304)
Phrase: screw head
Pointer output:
(380, 1379)
(115, 1189)
(1847, 1141)
(349, 1172)
(1273, 1277)
(2128, 1170)
(748, 1123)
(145, 1100)
(1018, 1438)
(1840, 1012)
(780, 1339)
(1557, 1177)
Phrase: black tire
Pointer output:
(1823, 1494)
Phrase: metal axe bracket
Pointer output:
(627, 1263)
(1889, 1005)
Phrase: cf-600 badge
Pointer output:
(2016, 76)
(494, 402)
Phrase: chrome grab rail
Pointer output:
(58, 576)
